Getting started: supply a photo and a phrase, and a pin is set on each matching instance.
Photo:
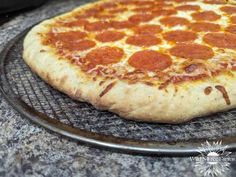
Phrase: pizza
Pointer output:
(165, 61)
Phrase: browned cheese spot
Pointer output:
(101, 83)
(148, 83)
(224, 93)
(191, 68)
(164, 84)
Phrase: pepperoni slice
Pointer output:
(122, 24)
(184, 0)
(233, 19)
(215, 1)
(231, 29)
(103, 16)
(204, 26)
(79, 45)
(138, 3)
(141, 18)
(221, 40)
(110, 36)
(93, 11)
(143, 40)
(143, 9)
(80, 22)
(192, 51)
(163, 4)
(97, 26)
(206, 16)
(108, 5)
(72, 36)
(80, 16)
(150, 60)
(174, 21)
(188, 7)
(104, 56)
(145, 3)
(228, 9)
(164, 12)
(159, 5)
(114, 11)
(148, 29)
(180, 36)
(125, 2)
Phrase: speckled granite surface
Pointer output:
(28, 150)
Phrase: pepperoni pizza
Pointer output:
(162, 61)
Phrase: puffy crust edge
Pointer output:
(140, 102)
(231, 1)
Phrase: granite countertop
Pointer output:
(29, 150)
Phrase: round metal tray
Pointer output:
(42, 104)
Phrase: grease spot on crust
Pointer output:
(107, 89)
(224, 93)
(42, 50)
(208, 90)
(63, 80)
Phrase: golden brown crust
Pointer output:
(174, 104)
(231, 1)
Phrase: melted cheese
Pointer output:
(177, 66)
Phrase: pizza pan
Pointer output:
(55, 111)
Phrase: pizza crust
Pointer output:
(231, 1)
(141, 102)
